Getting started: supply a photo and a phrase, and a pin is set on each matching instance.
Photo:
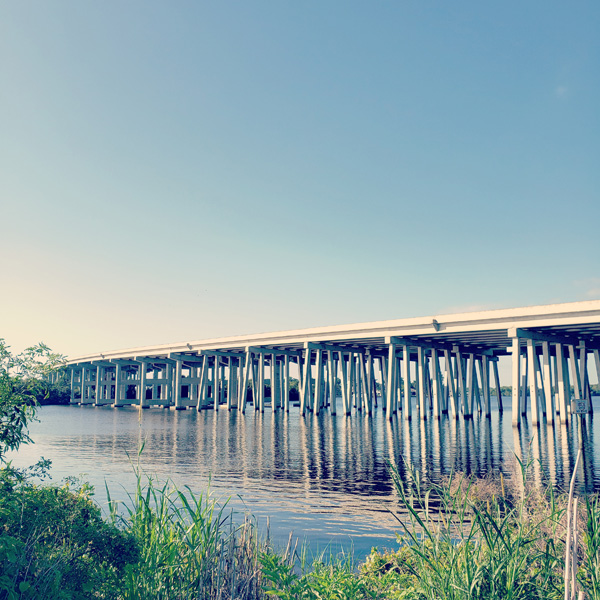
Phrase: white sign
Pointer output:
(579, 407)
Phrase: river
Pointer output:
(326, 478)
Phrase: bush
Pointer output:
(55, 544)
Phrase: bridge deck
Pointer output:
(452, 358)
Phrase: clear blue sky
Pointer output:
(173, 171)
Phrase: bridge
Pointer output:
(340, 369)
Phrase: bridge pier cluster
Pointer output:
(427, 368)
(333, 378)
(551, 373)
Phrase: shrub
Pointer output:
(54, 543)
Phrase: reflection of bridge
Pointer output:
(452, 358)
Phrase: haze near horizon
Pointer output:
(199, 170)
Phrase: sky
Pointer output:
(175, 171)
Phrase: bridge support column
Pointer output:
(99, 385)
(83, 386)
(422, 373)
(245, 379)
(547, 382)
(391, 385)
(435, 367)
(485, 375)
(344, 382)
(177, 386)
(261, 383)
(117, 398)
(72, 400)
(497, 385)
(533, 391)
(276, 384)
(364, 379)
(350, 371)
(451, 383)
(221, 386)
(575, 374)
(331, 376)
(318, 381)
(563, 390)
(471, 383)
(142, 396)
(406, 378)
(286, 383)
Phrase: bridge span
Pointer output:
(453, 360)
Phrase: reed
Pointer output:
(190, 547)
(501, 546)
(464, 539)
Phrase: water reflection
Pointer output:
(322, 475)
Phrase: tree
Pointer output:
(23, 377)
(54, 542)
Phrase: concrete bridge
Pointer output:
(453, 359)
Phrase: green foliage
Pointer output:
(189, 546)
(463, 546)
(22, 379)
(333, 579)
(391, 574)
(590, 566)
(54, 543)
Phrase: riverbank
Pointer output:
(466, 539)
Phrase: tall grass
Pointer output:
(465, 544)
(465, 539)
(190, 547)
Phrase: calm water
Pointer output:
(324, 478)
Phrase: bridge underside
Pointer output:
(448, 362)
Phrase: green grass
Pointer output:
(465, 544)
(190, 547)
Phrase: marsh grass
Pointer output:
(477, 540)
(463, 539)
(190, 546)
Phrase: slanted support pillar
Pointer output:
(332, 375)
(547, 378)
(471, 382)
(563, 391)
(306, 381)
(583, 375)
(497, 385)
(451, 383)
(462, 388)
(344, 382)
(383, 375)
(370, 380)
(319, 381)
(485, 375)
(533, 393)
(364, 378)
(575, 373)
(245, 379)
